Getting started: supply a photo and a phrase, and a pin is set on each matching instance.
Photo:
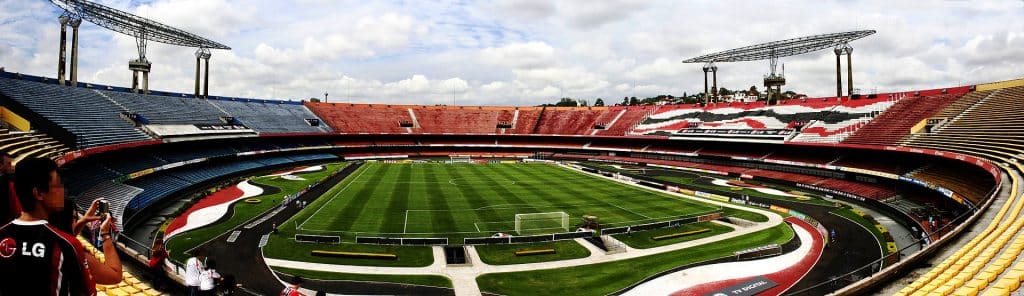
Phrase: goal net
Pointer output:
(534, 223)
(460, 159)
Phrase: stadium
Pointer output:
(904, 192)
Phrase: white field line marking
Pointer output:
(405, 225)
(629, 211)
(334, 196)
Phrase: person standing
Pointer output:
(35, 257)
(194, 267)
(10, 207)
(208, 279)
(293, 289)
(157, 255)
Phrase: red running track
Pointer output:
(786, 278)
(224, 195)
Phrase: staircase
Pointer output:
(612, 245)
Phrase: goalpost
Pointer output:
(541, 222)
(460, 159)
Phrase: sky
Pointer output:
(525, 52)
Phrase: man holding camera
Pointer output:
(38, 259)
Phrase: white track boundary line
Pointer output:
(362, 170)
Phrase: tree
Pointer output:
(753, 91)
(314, 100)
(633, 101)
(599, 102)
(625, 101)
(582, 103)
(566, 102)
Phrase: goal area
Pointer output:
(460, 159)
(534, 223)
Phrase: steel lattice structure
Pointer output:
(133, 25)
(782, 48)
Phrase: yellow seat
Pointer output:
(961, 278)
(928, 288)
(151, 292)
(1015, 274)
(988, 276)
(966, 291)
(1008, 283)
(141, 286)
(130, 289)
(977, 284)
(132, 280)
(117, 292)
(944, 290)
(996, 291)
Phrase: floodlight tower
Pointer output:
(772, 51)
(140, 65)
(844, 49)
(142, 29)
(774, 81)
(75, 22)
(204, 54)
(61, 61)
(710, 67)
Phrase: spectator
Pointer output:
(208, 279)
(293, 289)
(157, 255)
(10, 208)
(35, 257)
(67, 221)
(193, 268)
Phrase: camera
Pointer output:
(103, 209)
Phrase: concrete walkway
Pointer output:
(464, 277)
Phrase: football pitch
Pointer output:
(470, 200)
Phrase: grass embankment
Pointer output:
(283, 246)
(605, 278)
(505, 254)
(691, 181)
(645, 239)
(242, 212)
(424, 280)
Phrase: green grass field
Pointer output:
(474, 200)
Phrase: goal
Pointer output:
(533, 223)
(460, 159)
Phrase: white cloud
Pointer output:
(520, 55)
(525, 52)
(388, 31)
